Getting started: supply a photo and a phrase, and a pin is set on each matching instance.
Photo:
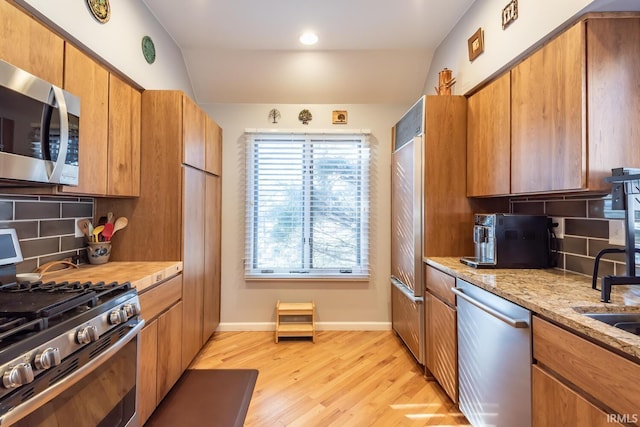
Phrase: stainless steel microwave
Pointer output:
(39, 129)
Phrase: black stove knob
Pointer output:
(47, 358)
(131, 309)
(117, 316)
(87, 335)
(18, 375)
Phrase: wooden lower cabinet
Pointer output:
(441, 329)
(442, 345)
(598, 382)
(160, 359)
(555, 404)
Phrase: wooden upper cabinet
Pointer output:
(489, 139)
(123, 158)
(613, 67)
(213, 147)
(29, 45)
(548, 144)
(193, 119)
(86, 79)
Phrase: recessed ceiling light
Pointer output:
(309, 38)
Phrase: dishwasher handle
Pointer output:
(515, 323)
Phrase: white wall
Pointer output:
(119, 41)
(342, 305)
(536, 20)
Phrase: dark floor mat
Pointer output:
(207, 397)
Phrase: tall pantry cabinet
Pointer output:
(177, 216)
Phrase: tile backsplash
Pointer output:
(46, 226)
(587, 223)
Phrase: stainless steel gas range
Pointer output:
(68, 352)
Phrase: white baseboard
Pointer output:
(320, 326)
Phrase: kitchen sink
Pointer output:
(629, 322)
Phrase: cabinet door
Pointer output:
(489, 139)
(212, 227)
(555, 404)
(86, 79)
(169, 349)
(213, 147)
(613, 70)
(548, 143)
(194, 130)
(27, 44)
(148, 366)
(442, 347)
(123, 157)
(193, 259)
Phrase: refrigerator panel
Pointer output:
(406, 215)
(407, 318)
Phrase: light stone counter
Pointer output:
(557, 295)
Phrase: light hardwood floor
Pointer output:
(345, 379)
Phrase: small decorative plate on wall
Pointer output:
(100, 9)
(148, 49)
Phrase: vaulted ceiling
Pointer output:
(247, 51)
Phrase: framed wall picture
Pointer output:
(339, 117)
(476, 44)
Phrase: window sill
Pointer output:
(308, 278)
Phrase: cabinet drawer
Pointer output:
(604, 375)
(159, 298)
(440, 284)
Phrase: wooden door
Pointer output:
(86, 79)
(193, 262)
(169, 349)
(548, 129)
(212, 227)
(29, 45)
(148, 367)
(489, 139)
(123, 158)
(193, 134)
(213, 147)
(442, 348)
(555, 404)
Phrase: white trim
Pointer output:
(310, 131)
(320, 326)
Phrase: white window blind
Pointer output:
(307, 206)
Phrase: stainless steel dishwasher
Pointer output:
(494, 358)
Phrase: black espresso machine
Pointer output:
(504, 240)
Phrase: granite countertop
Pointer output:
(558, 295)
(141, 274)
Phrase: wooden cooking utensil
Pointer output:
(84, 225)
(110, 217)
(121, 223)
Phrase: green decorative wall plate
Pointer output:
(148, 49)
(100, 9)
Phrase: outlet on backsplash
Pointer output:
(616, 233)
(559, 230)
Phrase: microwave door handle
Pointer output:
(58, 96)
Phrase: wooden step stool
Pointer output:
(295, 319)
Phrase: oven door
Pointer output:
(102, 393)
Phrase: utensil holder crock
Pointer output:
(98, 252)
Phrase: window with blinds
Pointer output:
(307, 206)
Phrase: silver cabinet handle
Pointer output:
(402, 288)
(58, 96)
(516, 323)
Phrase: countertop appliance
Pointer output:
(68, 351)
(494, 358)
(407, 294)
(510, 241)
(39, 129)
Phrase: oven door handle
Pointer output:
(24, 409)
